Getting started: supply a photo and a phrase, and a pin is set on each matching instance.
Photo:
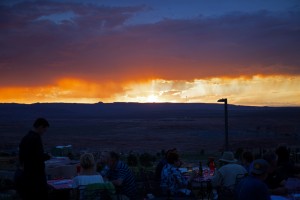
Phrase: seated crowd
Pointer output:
(248, 178)
(233, 179)
(114, 178)
(266, 175)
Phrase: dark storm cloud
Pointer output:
(92, 42)
(33, 45)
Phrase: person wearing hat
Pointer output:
(253, 186)
(224, 179)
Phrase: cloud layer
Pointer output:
(42, 42)
(54, 50)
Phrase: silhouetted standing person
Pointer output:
(32, 158)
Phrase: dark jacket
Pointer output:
(32, 158)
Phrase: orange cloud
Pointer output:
(256, 90)
(64, 90)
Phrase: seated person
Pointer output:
(253, 186)
(162, 163)
(286, 166)
(119, 174)
(247, 159)
(172, 181)
(87, 176)
(102, 164)
(224, 179)
(276, 178)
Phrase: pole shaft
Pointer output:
(226, 125)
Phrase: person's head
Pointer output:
(174, 150)
(41, 125)
(104, 157)
(227, 158)
(87, 161)
(271, 158)
(113, 158)
(283, 154)
(247, 157)
(259, 168)
(173, 158)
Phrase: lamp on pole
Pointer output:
(226, 122)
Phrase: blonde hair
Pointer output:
(87, 161)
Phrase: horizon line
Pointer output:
(132, 102)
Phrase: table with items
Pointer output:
(61, 167)
(60, 172)
(201, 183)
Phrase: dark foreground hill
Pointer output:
(151, 126)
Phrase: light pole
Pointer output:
(226, 122)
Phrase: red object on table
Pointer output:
(212, 165)
(61, 184)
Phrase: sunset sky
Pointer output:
(86, 51)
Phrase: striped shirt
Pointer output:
(122, 172)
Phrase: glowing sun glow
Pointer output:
(152, 98)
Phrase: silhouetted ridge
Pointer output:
(12, 111)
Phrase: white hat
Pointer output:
(228, 157)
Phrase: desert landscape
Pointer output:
(196, 130)
(151, 127)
